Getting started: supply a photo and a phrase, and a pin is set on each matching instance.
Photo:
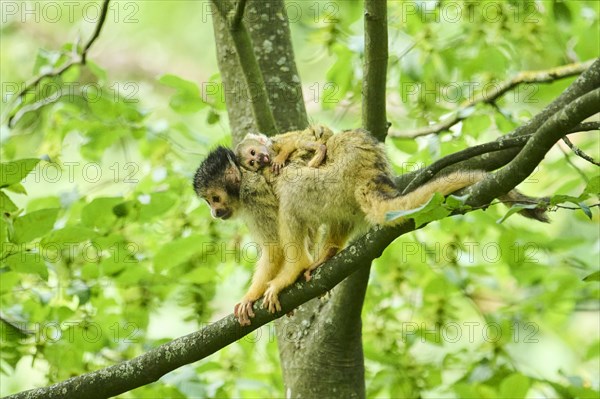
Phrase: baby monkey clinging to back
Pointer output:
(257, 151)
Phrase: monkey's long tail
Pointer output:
(376, 206)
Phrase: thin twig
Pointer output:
(489, 96)
(97, 31)
(576, 208)
(579, 152)
(585, 127)
(75, 59)
(570, 162)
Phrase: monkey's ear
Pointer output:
(232, 173)
(238, 147)
(264, 140)
(261, 138)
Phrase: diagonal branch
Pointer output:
(150, 366)
(489, 96)
(500, 144)
(239, 13)
(257, 89)
(75, 59)
(585, 83)
(536, 148)
(579, 152)
(190, 348)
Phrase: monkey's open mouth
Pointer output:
(264, 160)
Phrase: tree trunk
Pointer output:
(321, 345)
(270, 33)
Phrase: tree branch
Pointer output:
(579, 152)
(489, 96)
(537, 146)
(239, 13)
(375, 69)
(257, 90)
(586, 82)
(190, 348)
(500, 144)
(429, 172)
(75, 59)
(152, 365)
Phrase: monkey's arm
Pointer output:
(283, 149)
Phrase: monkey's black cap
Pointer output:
(213, 168)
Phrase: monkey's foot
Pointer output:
(330, 253)
(271, 300)
(243, 312)
(318, 158)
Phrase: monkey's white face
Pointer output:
(255, 157)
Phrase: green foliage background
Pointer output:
(106, 251)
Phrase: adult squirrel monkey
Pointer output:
(352, 191)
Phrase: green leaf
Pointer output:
(515, 209)
(99, 212)
(69, 234)
(187, 98)
(14, 172)
(432, 210)
(34, 224)
(593, 186)
(562, 14)
(17, 188)
(27, 262)
(97, 71)
(514, 386)
(159, 204)
(585, 209)
(6, 205)
(178, 251)
(213, 117)
(592, 277)
(560, 199)
(201, 275)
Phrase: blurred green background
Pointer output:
(106, 251)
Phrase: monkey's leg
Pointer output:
(267, 267)
(320, 153)
(293, 239)
(337, 235)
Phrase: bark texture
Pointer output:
(321, 345)
(269, 31)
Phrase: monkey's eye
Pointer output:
(252, 152)
(251, 163)
(216, 199)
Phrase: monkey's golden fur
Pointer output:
(257, 151)
(351, 191)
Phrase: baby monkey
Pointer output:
(257, 151)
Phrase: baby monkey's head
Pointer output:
(254, 151)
